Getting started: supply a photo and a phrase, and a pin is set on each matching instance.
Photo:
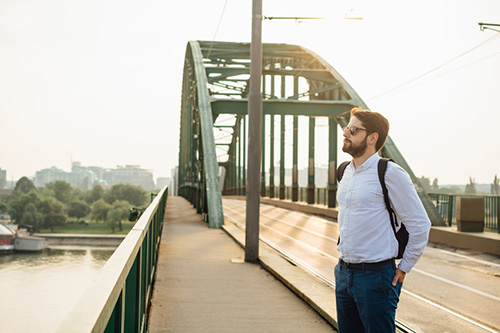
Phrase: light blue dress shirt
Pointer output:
(365, 229)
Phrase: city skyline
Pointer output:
(101, 82)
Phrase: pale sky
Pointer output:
(100, 81)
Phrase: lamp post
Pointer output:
(254, 137)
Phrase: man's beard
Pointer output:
(355, 151)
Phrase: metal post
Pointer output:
(282, 158)
(263, 168)
(244, 173)
(310, 183)
(254, 140)
(295, 172)
(271, 158)
(332, 165)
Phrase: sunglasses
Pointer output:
(353, 129)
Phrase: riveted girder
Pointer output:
(295, 82)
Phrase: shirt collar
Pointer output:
(368, 163)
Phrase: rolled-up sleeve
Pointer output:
(410, 212)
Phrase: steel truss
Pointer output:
(296, 82)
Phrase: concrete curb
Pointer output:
(485, 242)
(315, 292)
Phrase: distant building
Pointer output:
(161, 182)
(4, 194)
(79, 177)
(130, 174)
(175, 181)
(3, 178)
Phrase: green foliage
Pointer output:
(99, 210)
(17, 205)
(53, 212)
(94, 194)
(47, 207)
(54, 219)
(32, 209)
(63, 190)
(471, 187)
(135, 195)
(31, 216)
(24, 185)
(495, 186)
(3, 206)
(78, 209)
(117, 214)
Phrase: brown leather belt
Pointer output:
(371, 266)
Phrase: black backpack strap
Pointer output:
(382, 167)
(341, 169)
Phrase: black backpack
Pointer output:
(402, 233)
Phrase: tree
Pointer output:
(17, 204)
(62, 190)
(99, 210)
(471, 187)
(31, 216)
(3, 206)
(94, 194)
(135, 195)
(495, 186)
(78, 209)
(117, 214)
(53, 219)
(24, 185)
(53, 212)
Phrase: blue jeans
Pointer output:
(366, 299)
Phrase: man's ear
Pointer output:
(373, 138)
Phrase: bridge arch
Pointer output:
(296, 82)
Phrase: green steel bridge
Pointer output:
(213, 139)
(212, 162)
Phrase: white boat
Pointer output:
(6, 239)
(30, 243)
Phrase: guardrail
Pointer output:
(119, 299)
(447, 207)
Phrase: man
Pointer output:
(368, 283)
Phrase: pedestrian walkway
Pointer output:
(204, 285)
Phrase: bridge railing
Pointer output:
(444, 202)
(447, 207)
(119, 298)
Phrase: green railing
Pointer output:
(320, 194)
(447, 207)
(119, 299)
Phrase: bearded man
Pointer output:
(368, 281)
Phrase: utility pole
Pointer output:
(254, 137)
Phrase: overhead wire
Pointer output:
(398, 87)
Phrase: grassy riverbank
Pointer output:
(90, 228)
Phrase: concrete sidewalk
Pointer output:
(204, 285)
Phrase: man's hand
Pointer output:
(399, 276)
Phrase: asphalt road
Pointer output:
(449, 290)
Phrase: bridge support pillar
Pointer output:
(332, 162)
(310, 185)
(295, 157)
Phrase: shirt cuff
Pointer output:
(405, 266)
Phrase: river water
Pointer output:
(38, 290)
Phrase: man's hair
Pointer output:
(374, 122)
